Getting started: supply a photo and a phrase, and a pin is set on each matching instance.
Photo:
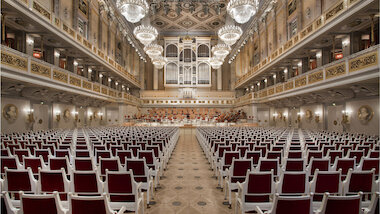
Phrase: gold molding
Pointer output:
(288, 85)
(315, 77)
(87, 85)
(41, 10)
(75, 81)
(60, 76)
(96, 88)
(335, 70)
(363, 61)
(300, 82)
(280, 88)
(14, 61)
(40, 69)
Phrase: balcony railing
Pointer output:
(75, 36)
(323, 20)
(359, 62)
(27, 66)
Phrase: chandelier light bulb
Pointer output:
(221, 50)
(216, 63)
(133, 10)
(159, 62)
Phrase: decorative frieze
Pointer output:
(104, 91)
(40, 69)
(41, 10)
(300, 81)
(334, 11)
(270, 91)
(96, 88)
(60, 76)
(315, 77)
(75, 81)
(288, 85)
(14, 61)
(87, 85)
(279, 88)
(335, 70)
(363, 61)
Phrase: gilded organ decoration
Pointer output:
(364, 61)
(365, 114)
(10, 113)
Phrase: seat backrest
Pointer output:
(341, 204)
(292, 205)
(344, 164)
(148, 155)
(229, 156)
(295, 165)
(370, 163)
(360, 181)
(293, 183)
(258, 186)
(57, 163)
(86, 182)
(19, 180)
(42, 204)
(83, 164)
(111, 164)
(33, 163)
(53, 180)
(88, 204)
(138, 166)
(268, 165)
(324, 181)
(9, 162)
(294, 154)
(323, 164)
(254, 156)
(120, 182)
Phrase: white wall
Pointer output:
(18, 125)
(356, 126)
(311, 123)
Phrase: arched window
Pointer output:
(187, 55)
(171, 51)
(171, 73)
(203, 73)
(203, 51)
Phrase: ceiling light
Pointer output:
(221, 50)
(319, 54)
(133, 10)
(242, 10)
(159, 62)
(215, 62)
(56, 54)
(229, 34)
(75, 63)
(153, 50)
(285, 70)
(145, 34)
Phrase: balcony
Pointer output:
(25, 68)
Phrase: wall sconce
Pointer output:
(100, 114)
(29, 115)
(346, 117)
(284, 116)
(76, 117)
(90, 115)
(317, 116)
(274, 117)
(57, 115)
(299, 114)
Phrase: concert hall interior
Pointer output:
(190, 106)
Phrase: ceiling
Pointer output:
(170, 21)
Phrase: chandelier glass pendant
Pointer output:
(216, 62)
(221, 50)
(133, 10)
(229, 34)
(242, 10)
(145, 34)
(159, 62)
(153, 50)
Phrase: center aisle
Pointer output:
(188, 185)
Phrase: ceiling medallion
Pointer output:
(242, 10)
(221, 50)
(216, 62)
(145, 34)
(153, 50)
(133, 10)
(229, 34)
(159, 62)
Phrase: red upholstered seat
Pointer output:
(340, 204)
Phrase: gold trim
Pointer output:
(87, 85)
(315, 77)
(300, 81)
(279, 88)
(40, 69)
(363, 61)
(14, 61)
(60, 76)
(288, 86)
(75, 81)
(96, 88)
(104, 91)
(41, 10)
(335, 70)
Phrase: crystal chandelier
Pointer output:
(133, 10)
(229, 34)
(153, 50)
(159, 62)
(242, 10)
(216, 62)
(145, 34)
(221, 50)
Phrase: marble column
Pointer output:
(219, 79)
(155, 78)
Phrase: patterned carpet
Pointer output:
(188, 185)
